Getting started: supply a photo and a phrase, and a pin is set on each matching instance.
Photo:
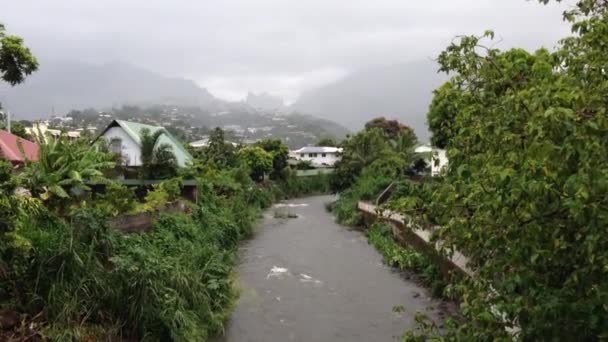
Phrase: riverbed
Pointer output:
(310, 279)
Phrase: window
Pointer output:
(116, 145)
(323, 155)
(312, 155)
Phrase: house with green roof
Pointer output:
(123, 138)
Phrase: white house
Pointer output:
(42, 129)
(205, 143)
(318, 155)
(437, 158)
(123, 137)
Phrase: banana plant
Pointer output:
(64, 170)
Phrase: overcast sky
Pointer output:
(280, 46)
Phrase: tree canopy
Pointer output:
(219, 151)
(280, 154)
(327, 142)
(524, 196)
(257, 160)
(391, 128)
(381, 139)
(16, 60)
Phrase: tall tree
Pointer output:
(327, 142)
(280, 154)
(392, 128)
(257, 160)
(158, 161)
(219, 151)
(16, 60)
(442, 113)
(389, 140)
(525, 195)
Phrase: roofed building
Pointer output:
(318, 155)
(124, 138)
(16, 149)
(42, 129)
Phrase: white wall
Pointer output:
(330, 158)
(442, 161)
(438, 158)
(130, 150)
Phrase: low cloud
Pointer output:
(280, 46)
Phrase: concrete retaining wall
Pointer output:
(419, 239)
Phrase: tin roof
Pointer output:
(9, 147)
(133, 129)
(319, 149)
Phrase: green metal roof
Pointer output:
(134, 130)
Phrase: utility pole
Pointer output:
(8, 120)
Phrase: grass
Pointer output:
(406, 258)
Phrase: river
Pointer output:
(310, 279)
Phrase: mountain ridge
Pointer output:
(400, 91)
(60, 86)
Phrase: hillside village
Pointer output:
(189, 124)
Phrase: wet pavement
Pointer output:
(310, 279)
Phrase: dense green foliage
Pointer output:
(94, 282)
(405, 258)
(327, 142)
(366, 188)
(525, 194)
(220, 152)
(59, 178)
(16, 60)
(257, 160)
(70, 276)
(294, 186)
(280, 154)
(388, 145)
(371, 159)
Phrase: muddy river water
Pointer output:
(310, 279)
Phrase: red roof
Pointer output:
(9, 148)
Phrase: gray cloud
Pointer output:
(281, 46)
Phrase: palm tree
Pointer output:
(404, 145)
(157, 161)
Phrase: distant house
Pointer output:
(437, 158)
(318, 155)
(42, 128)
(205, 143)
(11, 151)
(200, 143)
(123, 137)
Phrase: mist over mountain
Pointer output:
(265, 101)
(401, 92)
(63, 86)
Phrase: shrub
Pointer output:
(405, 258)
(366, 188)
(117, 199)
